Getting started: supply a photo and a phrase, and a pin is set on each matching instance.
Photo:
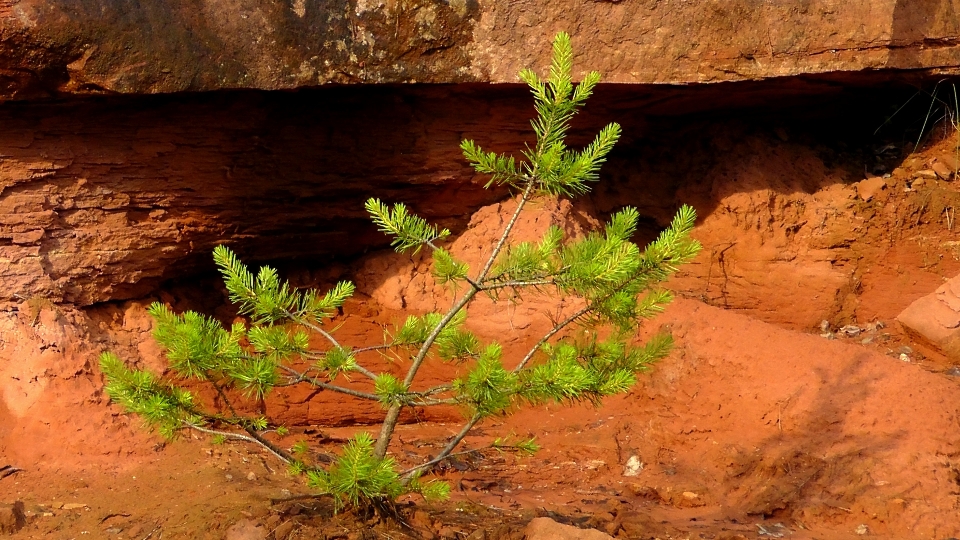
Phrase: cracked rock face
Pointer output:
(161, 46)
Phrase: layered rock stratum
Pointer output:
(159, 46)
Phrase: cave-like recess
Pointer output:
(107, 197)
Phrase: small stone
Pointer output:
(777, 530)
(229, 477)
(850, 330)
(283, 530)
(74, 506)
(448, 533)
(479, 534)
(953, 372)
(927, 173)
(904, 357)
(868, 189)
(824, 326)
(252, 476)
(113, 530)
(873, 326)
(861, 529)
(633, 466)
(944, 172)
(246, 529)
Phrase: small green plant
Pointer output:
(614, 282)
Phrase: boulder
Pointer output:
(935, 319)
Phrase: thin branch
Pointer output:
(556, 329)
(445, 453)
(432, 402)
(314, 327)
(504, 284)
(553, 275)
(434, 390)
(373, 348)
(527, 192)
(413, 470)
(303, 377)
(360, 369)
(222, 394)
(273, 449)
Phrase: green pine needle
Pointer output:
(390, 390)
(358, 476)
(409, 231)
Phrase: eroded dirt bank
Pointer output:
(806, 215)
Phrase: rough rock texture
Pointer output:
(935, 319)
(151, 46)
(99, 199)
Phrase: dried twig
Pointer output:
(8, 470)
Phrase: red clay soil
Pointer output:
(755, 426)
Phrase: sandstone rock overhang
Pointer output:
(51, 47)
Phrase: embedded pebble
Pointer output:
(633, 466)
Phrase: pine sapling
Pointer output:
(616, 284)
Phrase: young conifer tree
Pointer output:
(617, 285)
